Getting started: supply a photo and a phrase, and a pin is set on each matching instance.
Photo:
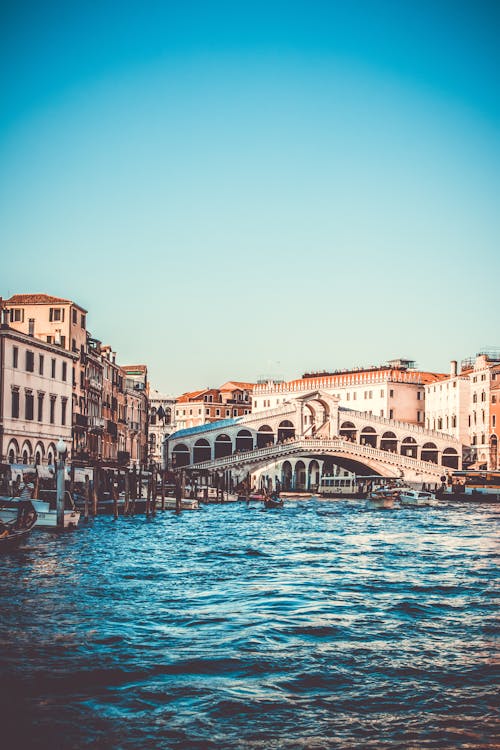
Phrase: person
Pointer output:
(26, 490)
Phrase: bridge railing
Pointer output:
(328, 444)
(408, 426)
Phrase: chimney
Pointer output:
(5, 317)
(453, 368)
(31, 327)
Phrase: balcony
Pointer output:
(96, 423)
(93, 384)
(80, 420)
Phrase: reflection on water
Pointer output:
(320, 625)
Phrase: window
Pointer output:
(73, 345)
(40, 407)
(53, 368)
(391, 413)
(56, 314)
(382, 392)
(391, 393)
(15, 356)
(52, 409)
(17, 315)
(419, 395)
(348, 396)
(64, 370)
(40, 364)
(63, 341)
(64, 403)
(419, 416)
(49, 339)
(30, 361)
(207, 412)
(28, 405)
(453, 421)
(82, 321)
(354, 396)
(494, 420)
(75, 316)
(493, 399)
(217, 412)
(15, 403)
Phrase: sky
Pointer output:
(238, 190)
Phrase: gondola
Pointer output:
(273, 502)
(13, 532)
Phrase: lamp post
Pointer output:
(61, 460)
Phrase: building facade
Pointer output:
(35, 398)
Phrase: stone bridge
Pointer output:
(312, 426)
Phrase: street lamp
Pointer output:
(61, 460)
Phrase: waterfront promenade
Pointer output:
(322, 625)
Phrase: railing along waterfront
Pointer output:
(328, 444)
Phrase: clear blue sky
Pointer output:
(244, 188)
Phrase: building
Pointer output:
(447, 404)
(232, 399)
(35, 397)
(62, 323)
(161, 424)
(393, 391)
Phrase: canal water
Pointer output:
(321, 625)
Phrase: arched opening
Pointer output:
(12, 456)
(314, 476)
(429, 453)
(13, 451)
(450, 458)
(180, 456)
(389, 442)
(409, 447)
(223, 446)
(244, 441)
(348, 431)
(27, 452)
(265, 436)
(286, 476)
(51, 454)
(25, 457)
(201, 451)
(39, 453)
(300, 476)
(368, 436)
(286, 431)
(494, 452)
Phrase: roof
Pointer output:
(414, 377)
(235, 384)
(203, 428)
(191, 395)
(39, 299)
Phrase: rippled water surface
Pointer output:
(322, 625)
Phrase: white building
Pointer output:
(161, 423)
(393, 391)
(447, 405)
(35, 398)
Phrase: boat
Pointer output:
(383, 498)
(13, 532)
(186, 504)
(273, 502)
(45, 507)
(350, 487)
(471, 486)
(416, 498)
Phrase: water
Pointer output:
(322, 625)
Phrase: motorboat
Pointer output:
(45, 507)
(186, 504)
(416, 498)
(383, 498)
(13, 532)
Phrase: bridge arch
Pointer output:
(300, 475)
(409, 447)
(265, 436)
(389, 442)
(430, 453)
(348, 430)
(223, 446)
(286, 430)
(202, 451)
(180, 455)
(368, 436)
(244, 441)
(286, 476)
(450, 458)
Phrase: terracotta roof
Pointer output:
(232, 385)
(39, 299)
(191, 395)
